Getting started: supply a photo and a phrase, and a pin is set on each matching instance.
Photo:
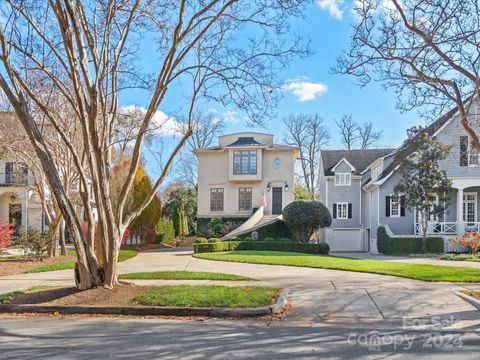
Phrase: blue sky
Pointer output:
(328, 23)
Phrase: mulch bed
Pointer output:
(474, 294)
(120, 295)
(19, 266)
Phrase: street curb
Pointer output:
(150, 311)
(471, 300)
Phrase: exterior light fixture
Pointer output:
(269, 186)
(286, 186)
(12, 198)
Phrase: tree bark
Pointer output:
(63, 246)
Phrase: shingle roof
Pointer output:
(359, 159)
(406, 149)
(245, 141)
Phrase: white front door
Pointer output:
(470, 208)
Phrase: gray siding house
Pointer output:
(357, 187)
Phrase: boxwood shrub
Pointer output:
(321, 248)
(406, 245)
(200, 240)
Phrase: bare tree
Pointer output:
(205, 129)
(367, 135)
(309, 134)
(426, 50)
(348, 130)
(85, 52)
(15, 144)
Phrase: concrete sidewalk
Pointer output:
(317, 295)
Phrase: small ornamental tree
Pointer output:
(304, 217)
(6, 232)
(422, 179)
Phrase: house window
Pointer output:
(376, 171)
(216, 199)
(342, 210)
(245, 199)
(394, 206)
(245, 162)
(473, 154)
(343, 179)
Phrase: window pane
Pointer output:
(216, 199)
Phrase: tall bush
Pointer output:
(304, 217)
(165, 231)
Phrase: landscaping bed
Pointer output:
(411, 271)
(130, 299)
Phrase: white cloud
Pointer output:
(228, 116)
(332, 6)
(305, 90)
(161, 125)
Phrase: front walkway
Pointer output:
(407, 259)
(316, 295)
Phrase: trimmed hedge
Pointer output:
(321, 248)
(406, 245)
(218, 227)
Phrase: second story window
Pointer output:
(245, 162)
(216, 199)
(15, 173)
(343, 179)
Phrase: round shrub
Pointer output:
(235, 238)
(200, 240)
(269, 239)
(304, 217)
(212, 240)
(247, 238)
(323, 248)
(284, 239)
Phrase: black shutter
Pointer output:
(334, 211)
(402, 205)
(349, 211)
(387, 206)
(463, 150)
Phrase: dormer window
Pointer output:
(376, 171)
(245, 162)
(343, 179)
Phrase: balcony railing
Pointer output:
(13, 179)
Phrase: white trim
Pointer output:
(346, 210)
(346, 161)
(347, 176)
(398, 203)
(360, 202)
(465, 194)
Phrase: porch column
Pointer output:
(460, 222)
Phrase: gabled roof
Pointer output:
(406, 149)
(245, 141)
(359, 159)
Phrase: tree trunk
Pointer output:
(111, 273)
(63, 246)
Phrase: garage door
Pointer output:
(347, 240)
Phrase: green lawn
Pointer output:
(6, 297)
(70, 264)
(183, 275)
(411, 271)
(207, 296)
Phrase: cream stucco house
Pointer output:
(245, 170)
(20, 203)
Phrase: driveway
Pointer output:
(316, 295)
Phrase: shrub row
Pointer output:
(406, 245)
(321, 248)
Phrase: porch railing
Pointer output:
(436, 227)
(472, 226)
